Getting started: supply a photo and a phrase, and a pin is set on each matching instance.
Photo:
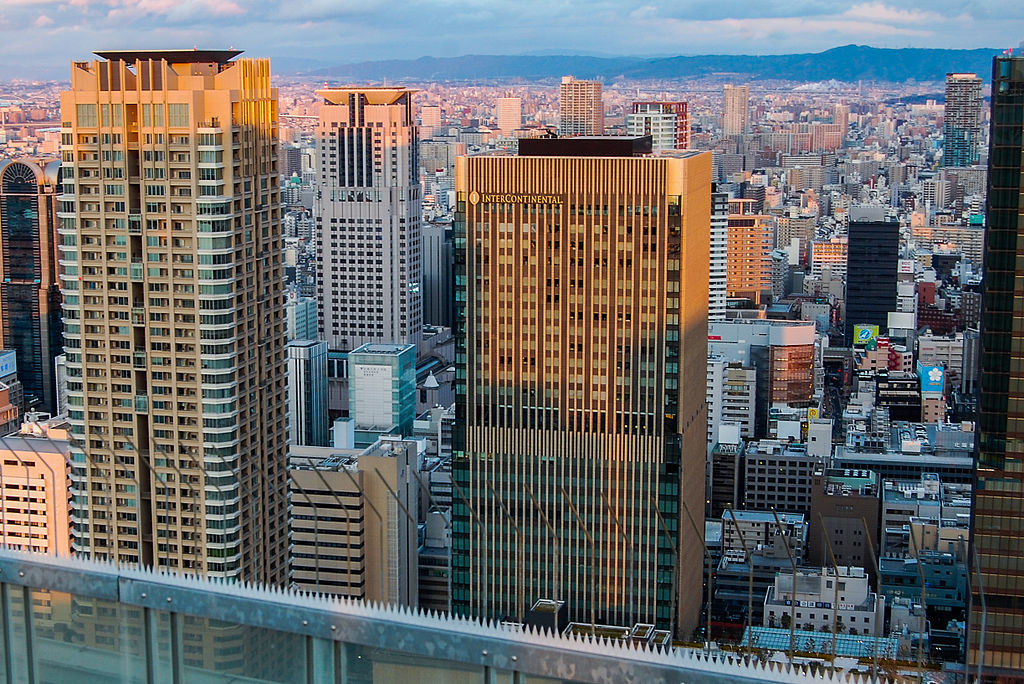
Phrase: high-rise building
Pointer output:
(581, 315)
(382, 391)
(173, 288)
(996, 623)
(841, 117)
(368, 218)
(872, 259)
(962, 122)
(29, 293)
(736, 112)
(718, 268)
(307, 393)
(430, 121)
(509, 114)
(668, 124)
(580, 109)
(749, 261)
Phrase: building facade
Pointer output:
(749, 265)
(736, 114)
(998, 510)
(508, 112)
(580, 109)
(962, 122)
(581, 275)
(872, 258)
(307, 393)
(173, 292)
(668, 124)
(30, 321)
(718, 268)
(368, 217)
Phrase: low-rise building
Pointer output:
(819, 600)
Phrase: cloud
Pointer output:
(42, 21)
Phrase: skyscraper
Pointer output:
(307, 393)
(581, 283)
(962, 122)
(668, 124)
(172, 282)
(509, 114)
(736, 112)
(997, 580)
(29, 293)
(368, 218)
(580, 109)
(872, 257)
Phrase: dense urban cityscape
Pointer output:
(713, 368)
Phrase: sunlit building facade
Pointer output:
(582, 293)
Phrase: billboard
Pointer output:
(862, 334)
(932, 378)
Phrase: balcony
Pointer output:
(288, 636)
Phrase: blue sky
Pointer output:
(47, 34)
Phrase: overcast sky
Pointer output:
(48, 34)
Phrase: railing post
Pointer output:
(5, 615)
(177, 657)
(30, 656)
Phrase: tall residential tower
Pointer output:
(580, 109)
(170, 227)
(581, 322)
(736, 111)
(962, 121)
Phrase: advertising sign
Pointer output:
(932, 378)
(862, 334)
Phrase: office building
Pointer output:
(307, 393)
(580, 109)
(438, 274)
(847, 502)
(736, 112)
(962, 121)
(30, 321)
(508, 112)
(778, 476)
(368, 218)
(749, 265)
(668, 124)
(817, 600)
(382, 391)
(830, 254)
(172, 284)
(998, 510)
(35, 479)
(574, 340)
(350, 532)
(718, 268)
(300, 318)
(872, 257)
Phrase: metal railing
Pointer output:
(74, 620)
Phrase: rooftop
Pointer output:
(193, 56)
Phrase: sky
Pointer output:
(45, 35)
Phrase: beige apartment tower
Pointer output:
(581, 322)
(171, 274)
(508, 112)
(580, 109)
(749, 266)
(736, 114)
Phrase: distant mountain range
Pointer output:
(847, 63)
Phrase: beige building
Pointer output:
(584, 287)
(354, 521)
(580, 109)
(509, 114)
(171, 272)
(35, 503)
(736, 114)
(749, 265)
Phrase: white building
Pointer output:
(509, 114)
(820, 599)
(718, 273)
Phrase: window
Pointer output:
(177, 115)
(86, 115)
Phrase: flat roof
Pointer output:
(192, 56)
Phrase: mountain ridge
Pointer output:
(844, 63)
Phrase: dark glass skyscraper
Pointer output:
(996, 638)
(872, 260)
(29, 292)
(581, 333)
